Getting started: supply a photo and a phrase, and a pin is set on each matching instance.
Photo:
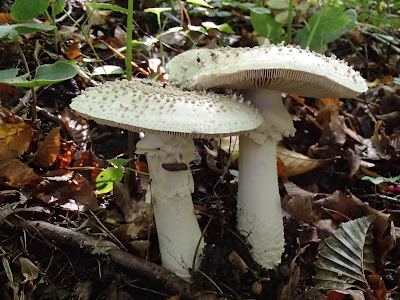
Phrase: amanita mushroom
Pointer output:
(170, 117)
(262, 74)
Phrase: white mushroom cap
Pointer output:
(153, 107)
(275, 67)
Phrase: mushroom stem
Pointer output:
(177, 227)
(259, 212)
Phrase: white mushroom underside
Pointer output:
(177, 228)
(321, 75)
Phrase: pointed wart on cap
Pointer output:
(153, 107)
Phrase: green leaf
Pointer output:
(374, 180)
(266, 25)
(347, 254)
(169, 31)
(106, 178)
(12, 31)
(324, 27)
(396, 80)
(223, 27)
(260, 10)
(23, 10)
(119, 162)
(157, 11)
(59, 6)
(379, 180)
(278, 4)
(107, 6)
(45, 75)
(199, 2)
(108, 70)
(198, 29)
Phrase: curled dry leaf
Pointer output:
(15, 173)
(76, 126)
(64, 187)
(49, 149)
(28, 269)
(297, 163)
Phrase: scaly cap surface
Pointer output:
(153, 107)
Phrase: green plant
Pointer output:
(325, 26)
(46, 74)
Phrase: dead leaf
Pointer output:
(343, 295)
(28, 269)
(49, 149)
(15, 173)
(281, 168)
(64, 160)
(74, 52)
(89, 159)
(238, 262)
(176, 297)
(6, 19)
(377, 285)
(76, 126)
(64, 188)
(334, 103)
(299, 208)
(15, 138)
(83, 290)
(297, 163)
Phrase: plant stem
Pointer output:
(34, 99)
(290, 20)
(128, 56)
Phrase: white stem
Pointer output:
(259, 212)
(177, 227)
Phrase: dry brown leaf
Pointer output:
(176, 297)
(6, 19)
(49, 149)
(15, 173)
(74, 52)
(377, 285)
(28, 269)
(297, 163)
(15, 138)
(342, 295)
(64, 187)
(76, 126)
(333, 102)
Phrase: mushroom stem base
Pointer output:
(259, 214)
(177, 227)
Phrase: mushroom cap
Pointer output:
(276, 67)
(153, 107)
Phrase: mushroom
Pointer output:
(262, 74)
(170, 117)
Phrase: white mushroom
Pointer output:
(170, 117)
(261, 74)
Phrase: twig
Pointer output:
(389, 199)
(123, 57)
(133, 264)
(198, 246)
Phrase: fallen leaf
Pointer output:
(6, 19)
(28, 269)
(297, 163)
(176, 297)
(377, 285)
(64, 160)
(89, 159)
(68, 189)
(238, 262)
(76, 126)
(15, 138)
(49, 149)
(15, 173)
(299, 208)
(344, 295)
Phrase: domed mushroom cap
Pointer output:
(153, 107)
(275, 67)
